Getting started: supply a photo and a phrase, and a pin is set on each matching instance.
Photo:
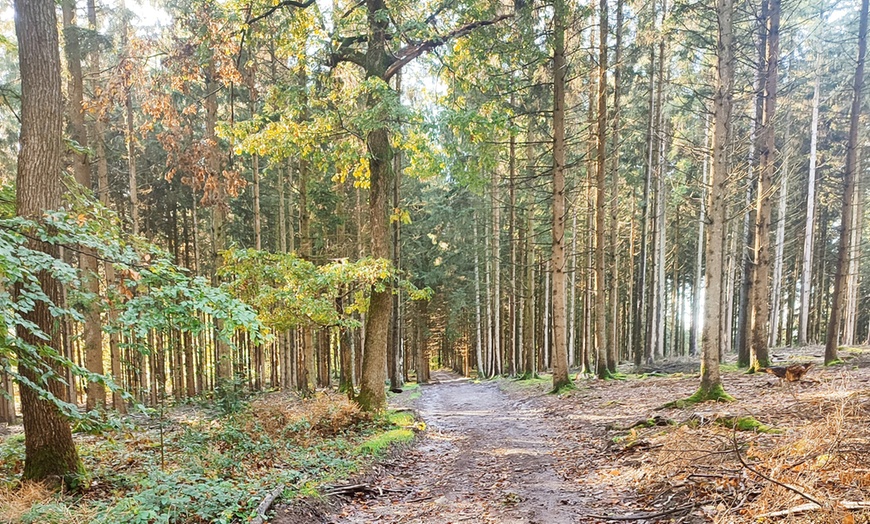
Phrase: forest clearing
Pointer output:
(433, 261)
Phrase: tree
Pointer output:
(93, 330)
(759, 313)
(711, 381)
(849, 185)
(560, 347)
(380, 63)
(50, 452)
(601, 330)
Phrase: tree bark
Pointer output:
(605, 361)
(759, 312)
(850, 182)
(615, 341)
(497, 359)
(560, 347)
(711, 381)
(776, 287)
(93, 331)
(372, 396)
(699, 258)
(807, 268)
(50, 453)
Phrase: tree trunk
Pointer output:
(776, 288)
(497, 357)
(711, 381)
(560, 348)
(699, 258)
(852, 282)
(372, 396)
(850, 182)
(512, 231)
(807, 269)
(50, 454)
(478, 347)
(606, 363)
(759, 312)
(614, 338)
(93, 332)
(528, 301)
(395, 353)
(641, 341)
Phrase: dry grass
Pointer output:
(31, 501)
(324, 415)
(824, 453)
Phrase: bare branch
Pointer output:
(409, 53)
(284, 3)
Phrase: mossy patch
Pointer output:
(378, 445)
(745, 424)
(715, 394)
(563, 389)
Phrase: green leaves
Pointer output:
(288, 291)
(150, 293)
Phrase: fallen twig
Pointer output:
(803, 508)
(853, 504)
(644, 516)
(266, 504)
(765, 477)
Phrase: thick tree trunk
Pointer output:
(50, 454)
(606, 362)
(560, 348)
(372, 396)
(850, 182)
(759, 312)
(711, 381)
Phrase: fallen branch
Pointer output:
(645, 516)
(765, 477)
(803, 508)
(266, 504)
(853, 505)
(352, 489)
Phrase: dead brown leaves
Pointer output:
(324, 415)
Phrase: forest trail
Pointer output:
(485, 457)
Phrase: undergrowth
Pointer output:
(218, 465)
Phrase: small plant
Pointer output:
(231, 396)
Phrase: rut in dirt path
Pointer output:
(485, 458)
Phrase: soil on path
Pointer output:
(486, 457)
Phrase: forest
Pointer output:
(301, 261)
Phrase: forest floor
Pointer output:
(506, 451)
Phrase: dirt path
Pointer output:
(485, 458)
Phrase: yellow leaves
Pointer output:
(362, 174)
(400, 215)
